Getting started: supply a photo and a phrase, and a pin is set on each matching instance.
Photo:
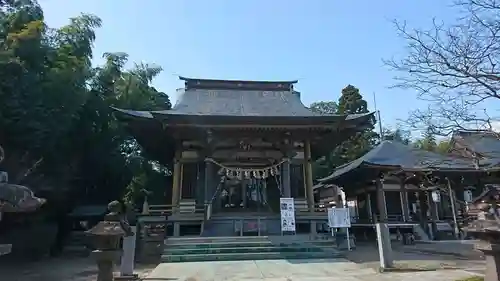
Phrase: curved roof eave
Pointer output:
(357, 119)
(135, 113)
(391, 155)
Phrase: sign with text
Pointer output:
(287, 211)
(339, 218)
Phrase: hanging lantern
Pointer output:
(254, 174)
(239, 175)
(247, 174)
(228, 173)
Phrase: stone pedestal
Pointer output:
(105, 261)
(128, 257)
(492, 256)
(486, 228)
(384, 246)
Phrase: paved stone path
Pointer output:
(289, 270)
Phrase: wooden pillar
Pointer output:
(381, 203)
(181, 181)
(434, 215)
(369, 206)
(208, 181)
(244, 193)
(403, 195)
(308, 175)
(423, 208)
(176, 179)
(285, 176)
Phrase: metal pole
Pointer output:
(381, 131)
(452, 201)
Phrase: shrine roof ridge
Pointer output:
(237, 80)
(219, 84)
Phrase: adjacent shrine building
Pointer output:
(237, 147)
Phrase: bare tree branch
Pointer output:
(453, 67)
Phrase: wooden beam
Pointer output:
(309, 176)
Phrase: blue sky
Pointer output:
(325, 44)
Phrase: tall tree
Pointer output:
(324, 166)
(454, 66)
(351, 102)
(56, 124)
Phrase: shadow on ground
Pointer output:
(366, 254)
(60, 269)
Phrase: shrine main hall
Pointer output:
(236, 148)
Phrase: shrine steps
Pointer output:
(245, 248)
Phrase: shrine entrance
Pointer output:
(244, 195)
(251, 191)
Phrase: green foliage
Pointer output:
(429, 142)
(56, 124)
(350, 102)
(398, 134)
(324, 107)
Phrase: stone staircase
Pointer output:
(247, 248)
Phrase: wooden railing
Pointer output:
(166, 210)
(302, 206)
(150, 240)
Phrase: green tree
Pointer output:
(398, 135)
(351, 102)
(324, 166)
(324, 107)
(428, 142)
(56, 124)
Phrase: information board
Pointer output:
(339, 218)
(287, 210)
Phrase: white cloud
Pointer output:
(495, 126)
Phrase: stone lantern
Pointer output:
(105, 239)
(486, 228)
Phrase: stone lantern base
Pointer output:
(105, 263)
(491, 252)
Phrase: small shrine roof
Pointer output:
(486, 144)
(396, 156)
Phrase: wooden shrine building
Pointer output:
(394, 183)
(237, 147)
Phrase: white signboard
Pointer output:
(287, 210)
(339, 218)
